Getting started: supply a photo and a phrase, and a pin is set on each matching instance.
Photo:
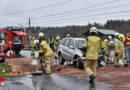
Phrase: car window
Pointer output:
(71, 43)
(62, 42)
(66, 42)
(79, 43)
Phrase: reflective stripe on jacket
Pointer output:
(46, 48)
(106, 44)
(93, 45)
(119, 47)
(51, 40)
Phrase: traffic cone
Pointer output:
(2, 84)
(14, 54)
(10, 54)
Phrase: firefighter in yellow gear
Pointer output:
(45, 53)
(120, 51)
(32, 47)
(91, 47)
(106, 43)
(115, 41)
(56, 44)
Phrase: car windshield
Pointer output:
(79, 43)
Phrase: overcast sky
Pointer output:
(61, 12)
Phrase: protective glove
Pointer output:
(40, 54)
(102, 49)
(84, 49)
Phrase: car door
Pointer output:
(71, 49)
(65, 49)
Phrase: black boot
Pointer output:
(92, 77)
(125, 65)
(117, 66)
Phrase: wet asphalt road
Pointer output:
(50, 82)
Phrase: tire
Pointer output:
(61, 60)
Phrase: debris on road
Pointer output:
(118, 78)
(20, 66)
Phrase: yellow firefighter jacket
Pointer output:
(92, 45)
(119, 46)
(57, 42)
(46, 49)
(106, 44)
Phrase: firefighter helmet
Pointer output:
(36, 42)
(41, 34)
(57, 38)
(68, 35)
(93, 29)
(110, 37)
(121, 36)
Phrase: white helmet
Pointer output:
(68, 35)
(117, 34)
(41, 34)
(93, 29)
(36, 42)
(110, 37)
(57, 38)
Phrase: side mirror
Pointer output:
(72, 47)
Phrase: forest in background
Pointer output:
(122, 26)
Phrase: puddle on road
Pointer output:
(51, 82)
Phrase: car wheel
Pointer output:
(61, 60)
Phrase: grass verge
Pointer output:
(4, 68)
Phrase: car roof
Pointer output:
(75, 38)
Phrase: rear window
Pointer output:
(66, 42)
(79, 43)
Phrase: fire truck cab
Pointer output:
(13, 39)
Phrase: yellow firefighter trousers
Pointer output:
(106, 57)
(33, 52)
(48, 64)
(122, 55)
(90, 67)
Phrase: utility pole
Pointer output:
(29, 33)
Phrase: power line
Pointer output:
(99, 9)
(80, 9)
(80, 13)
(87, 16)
(80, 20)
(36, 9)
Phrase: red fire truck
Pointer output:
(12, 39)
